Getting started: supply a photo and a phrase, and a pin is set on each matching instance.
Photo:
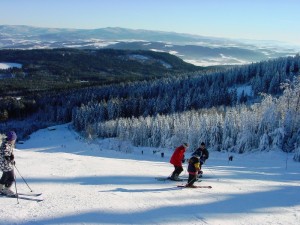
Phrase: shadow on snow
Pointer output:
(239, 203)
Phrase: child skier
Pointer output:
(193, 170)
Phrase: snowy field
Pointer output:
(88, 183)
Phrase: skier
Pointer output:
(7, 163)
(176, 160)
(193, 170)
(203, 153)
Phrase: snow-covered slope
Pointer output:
(89, 183)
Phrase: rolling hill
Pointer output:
(199, 50)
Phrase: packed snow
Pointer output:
(111, 182)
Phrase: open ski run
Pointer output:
(89, 183)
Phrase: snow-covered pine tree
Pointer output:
(216, 131)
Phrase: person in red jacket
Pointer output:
(176, 160)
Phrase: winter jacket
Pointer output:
(194, 165)
(178, 156)
(6, 156)
(202, 153)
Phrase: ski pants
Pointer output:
(177, 171)
(8, 178)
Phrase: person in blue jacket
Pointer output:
(203, 153)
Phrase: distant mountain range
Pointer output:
(195, 49)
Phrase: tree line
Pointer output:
(179, 94)
(169, 96)
(270, 125)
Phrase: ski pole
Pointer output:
(16, 189)
(23, 178)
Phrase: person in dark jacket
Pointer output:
(176, 160)
(7, 163)
(203, 153)
(193, 170)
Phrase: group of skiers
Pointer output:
(198, 158)
(7, 163)
(195, 162)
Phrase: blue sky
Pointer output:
(247, 19)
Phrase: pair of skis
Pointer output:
(26, 196)
(195, 186)
(179, 179)
(183, 179)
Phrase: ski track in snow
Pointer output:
(84, 185)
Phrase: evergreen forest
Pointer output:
(239, 109)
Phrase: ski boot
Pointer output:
(8, 192)
(175, 177)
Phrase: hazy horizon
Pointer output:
(250, 20)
